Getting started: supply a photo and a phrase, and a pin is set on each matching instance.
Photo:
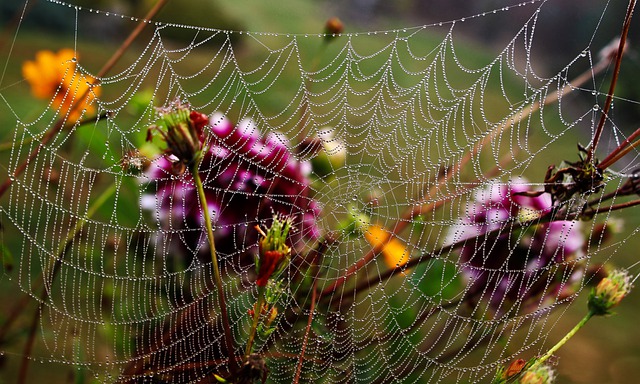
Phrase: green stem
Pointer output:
(560, 343)
(257, 309)
(233, 367)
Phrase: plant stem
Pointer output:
(620, 153)
(562, 341)
(614, 81)
(257, 310)
(312, 309)
(233, 367)
(607, 161)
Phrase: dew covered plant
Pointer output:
(330, 207)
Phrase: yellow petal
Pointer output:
(31, 73)
(45, 74)
(66, 55)
(49, 68)
(376, 236)
(394, 251)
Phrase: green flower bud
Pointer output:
(273, 251)
(182, 130)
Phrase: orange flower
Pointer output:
(54, 75)
(395, 253)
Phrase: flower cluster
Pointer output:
(247, 179)
(54, 75)
(504, 266)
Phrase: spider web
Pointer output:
(418, 134)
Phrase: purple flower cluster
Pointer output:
(504, 266)
(247, 179)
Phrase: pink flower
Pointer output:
(514, 266)
(247, 179)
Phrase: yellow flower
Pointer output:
(394, 251)
(54, 75)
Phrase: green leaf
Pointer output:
(7, 259)
(437, 278)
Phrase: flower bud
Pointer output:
(182, 130)
(542, 374)
(514, 368)
(332, 28)
(273, 314)
(272, 250)
(609, 292)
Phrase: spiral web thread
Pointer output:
(419, 126)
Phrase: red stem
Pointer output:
(605, 162)
(312, 309)
(614, 81)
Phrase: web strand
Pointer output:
(406, 159)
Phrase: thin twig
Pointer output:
(312, 309)
(607, 161)
(614, 81)
(616, 207)
(620, 154)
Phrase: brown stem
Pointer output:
(426, 256)
(26, 353)
(619, 155)
(616, 207)
(552, 215)
(103, 71)
(614, 81)
(607, 161)
(312, 309)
